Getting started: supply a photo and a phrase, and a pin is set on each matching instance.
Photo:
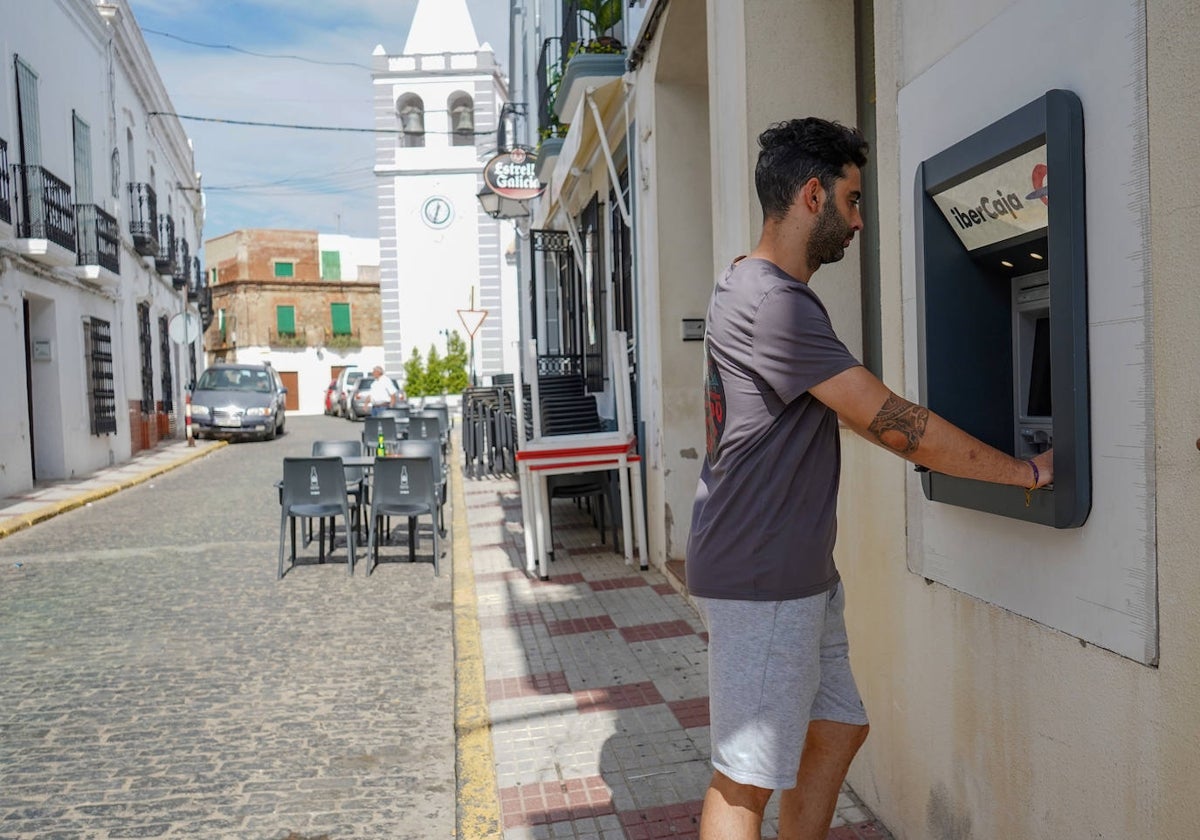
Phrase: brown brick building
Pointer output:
(306, 302)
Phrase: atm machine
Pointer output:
(1002, 304)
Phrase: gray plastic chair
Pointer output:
(356, 477)
(424, 426)
(443, 414)
(428, 449)
(314, 488)
(404, 487)
(371, 427)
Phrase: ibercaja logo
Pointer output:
(1041, 184)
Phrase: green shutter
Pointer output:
(285, 320)
(341, 318)
(285, 269)
(331, 265)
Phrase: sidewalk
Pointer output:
(594, 685)
(51, 498)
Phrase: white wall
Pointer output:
(72, 50)
(355, 252)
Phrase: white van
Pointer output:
(343, 391)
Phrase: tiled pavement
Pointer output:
(596, 687)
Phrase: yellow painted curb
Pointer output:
(478, 809)
(50, 511)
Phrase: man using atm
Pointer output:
(784, 707)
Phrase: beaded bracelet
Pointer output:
(1037, 477)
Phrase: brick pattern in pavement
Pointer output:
(597, 687)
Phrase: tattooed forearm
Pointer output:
(900, 425)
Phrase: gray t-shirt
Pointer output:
(765, 516)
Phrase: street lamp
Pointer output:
(501, 207)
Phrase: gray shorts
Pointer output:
(772, 667)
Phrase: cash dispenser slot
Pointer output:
(1002, 304)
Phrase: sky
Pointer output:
(255, 177)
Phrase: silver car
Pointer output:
(232, 400)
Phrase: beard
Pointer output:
(827, 243)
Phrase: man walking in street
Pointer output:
(384, 394)
(785, 711)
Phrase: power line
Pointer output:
(296, 127)
(232, 48)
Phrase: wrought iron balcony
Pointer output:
(44, 208)
(197, 281)
(5, 188)
(549, 76)
(592, 52)
(183, 265)
(204, 304)
(164, 259)
(143, 219)
(99, 238)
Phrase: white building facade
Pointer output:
(100, 220)
(436, 110)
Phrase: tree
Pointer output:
(415, 375)
(454, 367)
(433, 373)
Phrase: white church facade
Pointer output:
(436, 106)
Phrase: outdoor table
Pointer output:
(574, 454)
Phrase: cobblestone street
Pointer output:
(159, 682)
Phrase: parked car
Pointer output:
(329, 392)
(346, 382)
(360, 402)
(232, 400)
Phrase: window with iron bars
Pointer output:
(102, 393)
(146, 347)
(164, 355)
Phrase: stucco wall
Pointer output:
(986, 724)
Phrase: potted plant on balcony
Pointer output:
(602, 16)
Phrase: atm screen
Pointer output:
(1039, 373)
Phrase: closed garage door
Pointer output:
(291, 381)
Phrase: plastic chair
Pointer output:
(404, 487)
(371, 428)
(583, 485)
(443, 413)
(428, 449)
(399, 411)
(423, 426)
(314, 488)
(356, 477)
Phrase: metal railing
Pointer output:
(560, 365)
(143, 219)
(204, 304)
(197, 281)
(98, 240)
(549, 75)
(164, 260)
(5, 185)
(44, 208)
(183, 264)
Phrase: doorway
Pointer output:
(29, 388)
(291, 381)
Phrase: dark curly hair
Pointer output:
(796, 150)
